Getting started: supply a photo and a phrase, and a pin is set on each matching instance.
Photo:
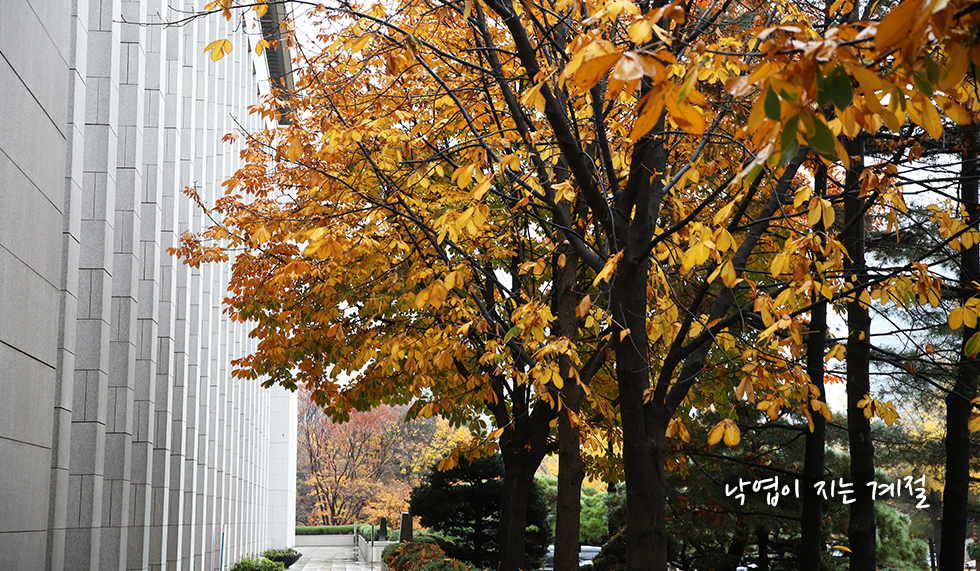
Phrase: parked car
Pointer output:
(585, 555)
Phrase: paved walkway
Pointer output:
(331, 559)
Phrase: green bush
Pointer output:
(388, 550)
(257, 564)
(365, 530)
(280, 553)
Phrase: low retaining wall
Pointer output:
(370, 551)
(325, 540)
(367, 551)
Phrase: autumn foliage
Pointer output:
(533, 217)
(364, 469)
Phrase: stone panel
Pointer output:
(140, 447)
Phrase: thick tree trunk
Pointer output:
(861, 528)
(515, 494)
(763, 537)
(813, 455)
(643, 441)
(644, 425)
(935, 515)
(958, 401)
(571, 468)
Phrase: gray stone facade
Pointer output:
(125, 442)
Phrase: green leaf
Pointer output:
(821, 138)
(772, 104)
(840, 88)
(823, 96)
(514, 332)
(789, 134)
(972, 346)
(789, 145)
(791, 97)
(834, 88)
(932, 69)
(922, 82)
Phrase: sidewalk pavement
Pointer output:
(331, 559)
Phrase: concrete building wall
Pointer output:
(125, 442)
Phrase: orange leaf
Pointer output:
(897, 24)
(593, 70)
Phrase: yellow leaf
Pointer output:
(958, 64)
(723, 240)
(533, 97)
(593, 70)
(640, 32)
(969, 318)
(677, 428)
(651, 107)
(463, 175)
(295, 150)
(954, 110)
(728, 274)
(974, 422)
(262, 235)
(606, 273)
(624, 334)
(358, 44)
(802, 195)
(815, 212)
(263, 44)
(467, 9)
(723, 214)
(716, 433)
(828, 213)
(745, 389)
(583, 307)
(931, 121)
(261, 8)
(218, 49)
(955, 318)
(481, 189)
(732, 434)
(896, 24)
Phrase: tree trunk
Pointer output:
(958, 401)
(515, 493)
(571, 468)
(861, 528)
(813, 455)
(643, 442)
(644, 425)
(763, 537)
(935, 514)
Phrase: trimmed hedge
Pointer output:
(257, 564)
(423, 555)
(325, 530)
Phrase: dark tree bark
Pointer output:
(522, 447)
(958, 405)
(763, 538)
(643, 434)
(861, 528)
(813, 455)
(571, 468)
(513, 516)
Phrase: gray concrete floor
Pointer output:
(331, 559)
